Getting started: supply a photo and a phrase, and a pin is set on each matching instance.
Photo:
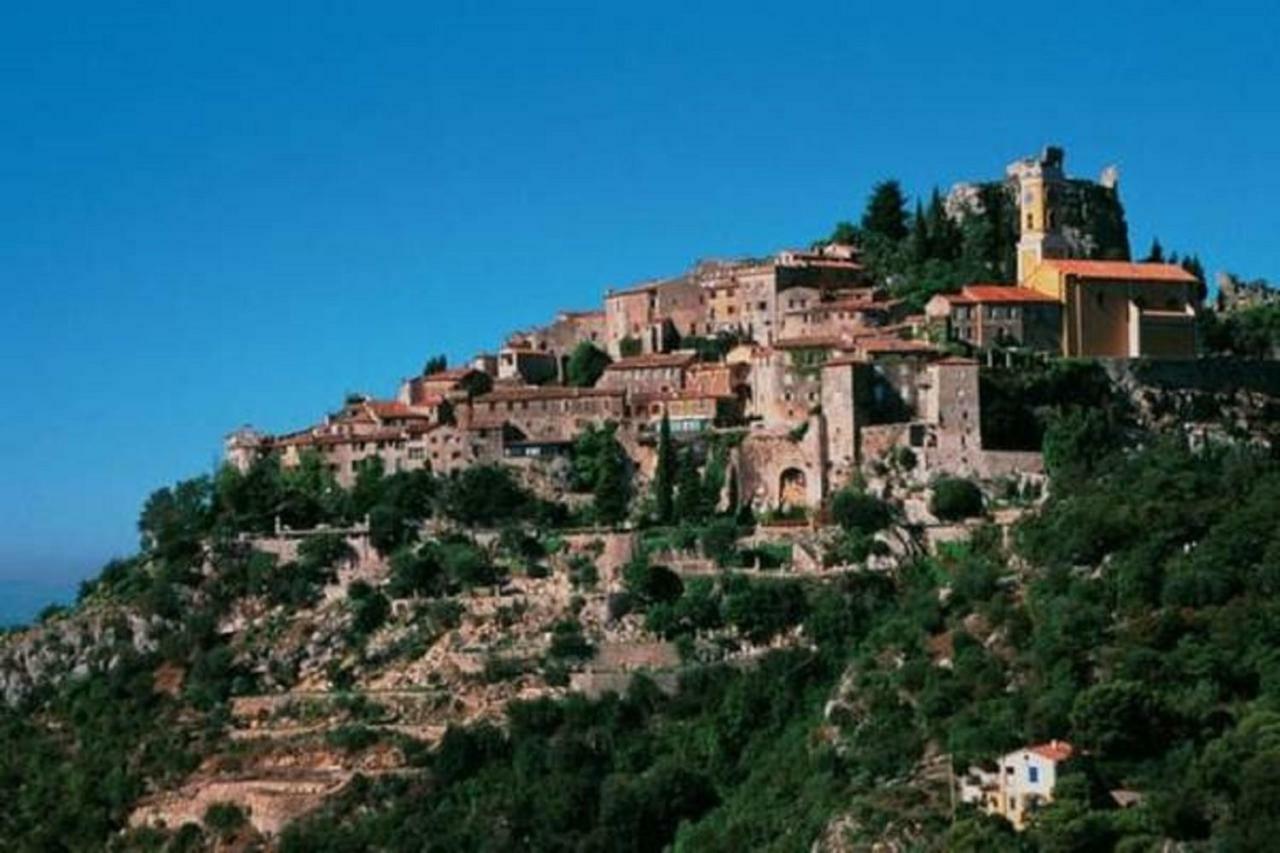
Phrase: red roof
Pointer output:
(1002, 293)
(1123, 271)
(1054, 750)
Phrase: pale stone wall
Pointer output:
(766, 455)
(629, 314)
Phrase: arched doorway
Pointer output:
(792, 488)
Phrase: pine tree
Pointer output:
(886, 212)
(1156, 254)
(664, 476)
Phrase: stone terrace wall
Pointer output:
(1204, 374)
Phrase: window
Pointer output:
(1033, 775)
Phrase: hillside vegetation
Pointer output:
(1136, 613)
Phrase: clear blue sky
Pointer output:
(241, 213)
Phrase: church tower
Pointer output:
(1038, 180)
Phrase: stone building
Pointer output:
(1118, 309)
(444, 385)
(528, 362)
(658, 372)
(550, 414)
(993, 315)
(654, 316)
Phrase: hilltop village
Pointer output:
(955, 511)
(815, 367)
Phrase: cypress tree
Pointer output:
(920, 247)
(611, 485)
(944, 234)
(733, 491)
(688, 503)
(1156, 254)
(664, 476)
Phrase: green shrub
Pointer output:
(224, 819)
(955, 498)
(352, 738)
(860, 512)
(648, 584)
(719, 539)
(567, 641)
(369, 608)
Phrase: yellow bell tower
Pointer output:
(1041, 237)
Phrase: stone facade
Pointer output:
(1117, 309)
(986, 316)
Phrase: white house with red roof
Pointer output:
(1022, 781)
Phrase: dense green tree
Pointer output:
(586, 365)
(1075, 442)
(857, 511)
(369, 608)
(416, 572)
(175, 520)
(366, 491)
(611, 490)
(885, 214)
(955, 498)
(649, 583)
(719, 540)
(484, 495)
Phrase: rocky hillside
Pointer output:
(444, 664)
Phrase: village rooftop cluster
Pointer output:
(815, 365)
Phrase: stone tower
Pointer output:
(1039, 182)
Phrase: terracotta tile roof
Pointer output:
(1054, 750)
(1002, 293)
(639, 362)
(1123, 271)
